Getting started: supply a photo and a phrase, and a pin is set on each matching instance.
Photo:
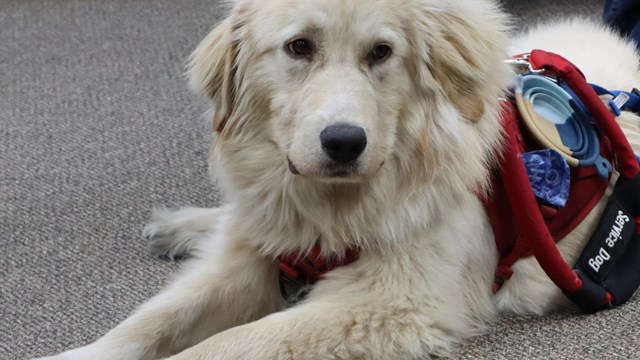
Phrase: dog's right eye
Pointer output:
(300, 48)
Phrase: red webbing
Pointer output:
(534, 231)
(312, 267)
(587, 188)
(528, 215)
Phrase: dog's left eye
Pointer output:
(380, 53)
(300, 48)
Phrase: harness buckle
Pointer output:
(292, 289)
(522, 66)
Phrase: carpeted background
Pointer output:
(97, 126)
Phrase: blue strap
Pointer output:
(622, 100)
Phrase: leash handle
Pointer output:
(569, 73)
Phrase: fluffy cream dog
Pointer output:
(369, 124)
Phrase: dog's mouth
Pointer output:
(292, 168)
(331, 172)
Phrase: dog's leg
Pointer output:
(382, 308)
(176, 233)
(226, 287)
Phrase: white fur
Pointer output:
(422, 282)
(175, 233)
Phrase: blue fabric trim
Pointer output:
(633, 104)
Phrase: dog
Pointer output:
(354, 124)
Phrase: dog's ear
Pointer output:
(465, 53)
(212, 70)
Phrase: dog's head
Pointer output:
(340, 88)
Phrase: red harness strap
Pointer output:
(513, 198)
(587, 188)
(298, 271)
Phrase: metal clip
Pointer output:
(521, 65)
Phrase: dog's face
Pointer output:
(335, 81)
(337, 86)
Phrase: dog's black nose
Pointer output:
(343, 142)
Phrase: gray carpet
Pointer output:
(96, 126)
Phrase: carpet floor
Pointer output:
(97, 126)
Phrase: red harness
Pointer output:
(521, 224)
(587, 188)
(514, 200)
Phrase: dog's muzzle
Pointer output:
(342, 144)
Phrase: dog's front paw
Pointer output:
(174, 233)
